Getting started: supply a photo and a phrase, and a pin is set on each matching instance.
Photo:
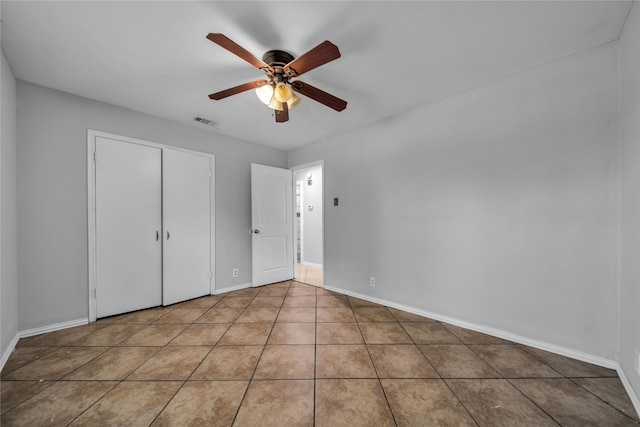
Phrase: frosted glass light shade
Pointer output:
(276, 105)
(293, 101)
(282, 92)
(265, 93)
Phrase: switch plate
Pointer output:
(235, 272)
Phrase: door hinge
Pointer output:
(95, 293)
(94, 157)
(210, 173)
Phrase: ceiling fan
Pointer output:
(280, 68)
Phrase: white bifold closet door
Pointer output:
(153, 226)
(187, 226)
(128, 227)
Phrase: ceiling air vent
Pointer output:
(205, 121)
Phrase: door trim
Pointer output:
(295, 169)
(91, 209)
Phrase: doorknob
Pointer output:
(256, 231)
(167, 235)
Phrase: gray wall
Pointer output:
(497, 206)
(52, 196)
(8, 236)
(629, 54)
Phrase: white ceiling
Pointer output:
(153, 56)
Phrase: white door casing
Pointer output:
(186, 186)
(127, 215)
(271, 224)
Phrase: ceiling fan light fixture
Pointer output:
(293, 101)
(265, 93)
(276, 105)
(282, 92)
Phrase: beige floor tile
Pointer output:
(293, 333)
(14, 393)
(58, 404)
(203, 403)
(182, 315)
(269, 291)
(571, 405)
(220, 315)
(300, 301)
(357, 302)
(332, 301)
(277, 403)
(612, 391)
(171, 363)
(286, 362)
(457, 361)
(114, 364)
(425, 402)
(511, 362)
(373, 314)
(403, 316)
(351, 402)
(495, 402)
(468, 336)
(21, 356)
(234, 302)
(258, 315)
(205, 302)
(569, 367)
(301, 290)
(267, 301)
(338, 333)
(297, 314)
(140, 317)
(130, 403)
(335, 314)
(56, 364)
(343, 361)
(58, 338)
(229, 363)
(246, 334)
(429, 333)
(400, 361)
(201, 334)
(108, 336)
(384, 333)
(247, 292)
(154, 335)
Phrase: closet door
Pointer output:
(186, 183)
(128, 226)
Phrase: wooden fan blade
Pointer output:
(319, 95)
(319, 55)
(233, 47)
(237, 89)
(282, 116)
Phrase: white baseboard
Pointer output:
(311, 264)
(8, 351)
(233, 288)
(54, 327)
(38, 331)
(635, 399)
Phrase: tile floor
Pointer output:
(309, 275)
(291, 354)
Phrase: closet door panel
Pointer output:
(186, 183)
(128, 250)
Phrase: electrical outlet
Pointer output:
(235, 272)
(372, 281)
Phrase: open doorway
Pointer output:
(309, 220)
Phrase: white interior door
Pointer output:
(271, 224)
(128, 226)
(186, 183)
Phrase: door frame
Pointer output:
(91, 209)
(295, 169)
